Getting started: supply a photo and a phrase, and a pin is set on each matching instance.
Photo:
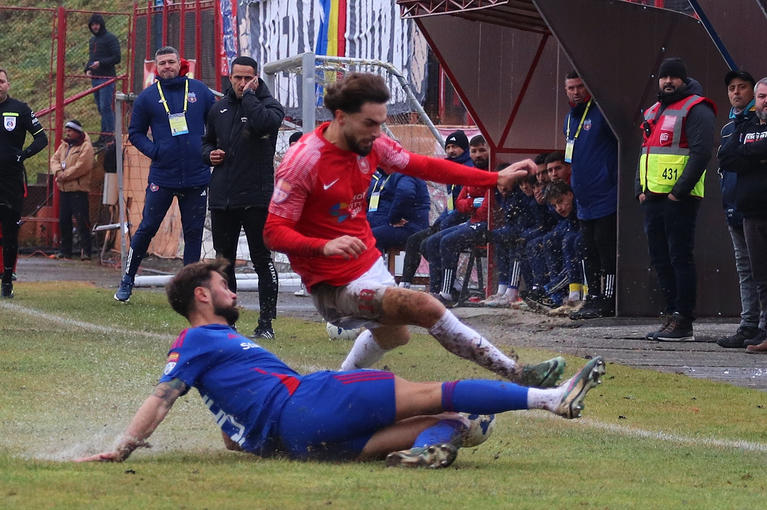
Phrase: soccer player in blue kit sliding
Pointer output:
(266, 408)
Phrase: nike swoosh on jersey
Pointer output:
(327, 186)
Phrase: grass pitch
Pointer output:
(75, 366)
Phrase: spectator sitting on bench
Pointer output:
(398, 207)
(533, 262)
(443, 249)
(457, 150)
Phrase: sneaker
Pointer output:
(754, 335)
(447, 303)
(759, 338)
(263, 331)
(6, 291)
(667, 320)
(86, 257)
(433, 457)
(542, 375)
(498, 301)
(62, 255)
(567, 309)
(576, 388)
(594, 308)
(125, 290)
(301, 292)
(519, 304)
(680, 330)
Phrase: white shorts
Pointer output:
(359, 303)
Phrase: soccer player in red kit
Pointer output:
(317, 216)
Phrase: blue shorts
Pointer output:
(332, 415)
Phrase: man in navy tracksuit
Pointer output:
(175, 108)
(592, 152)
(239, 143)
(398, 207)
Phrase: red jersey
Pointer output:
(319, 195)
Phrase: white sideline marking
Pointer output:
(581, 422)
(56, 319)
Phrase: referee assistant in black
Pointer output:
(18, 120)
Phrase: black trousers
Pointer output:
(9, 223)
(599, 239)
(225, 227)
(755, 232)
(74, 203)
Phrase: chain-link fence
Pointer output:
(45, 51)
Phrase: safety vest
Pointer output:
(665, 151)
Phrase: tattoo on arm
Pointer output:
(169, 391)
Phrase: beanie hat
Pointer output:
(75, 124)
(458, 138)
(674, 67)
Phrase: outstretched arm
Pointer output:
(151, 413)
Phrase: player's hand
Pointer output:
(673, 198)
(347, 247)
(88, 72)
(508, 175)
(641, 197)
(95, 65)
(400, 223)
(102, 457)
(217, 157)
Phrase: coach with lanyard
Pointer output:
(175, 108)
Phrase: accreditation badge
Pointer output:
(178, 125)
(9, 122)
(569, 150)
(374, 198)
(450, 205)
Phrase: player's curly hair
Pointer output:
(353, 90)
(180, 289)
(556, 189)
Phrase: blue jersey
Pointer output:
(244, 385)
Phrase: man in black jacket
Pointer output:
(103, 56)
(745, 153)
(240, 143)
(18, 120)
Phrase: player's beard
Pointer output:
(229, 312)
(355, 147)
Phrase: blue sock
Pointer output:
(445, 431)
(479, 396)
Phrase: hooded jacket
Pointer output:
(402, 197)
(246, 130)
(103, 48)
(176, 160)
(76, 163)
(699, 131)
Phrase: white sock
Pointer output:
(548, 399)
(512, 293)
(502, 288)
(463, 341)
(404, 285)
(365, 352)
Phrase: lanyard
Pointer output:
(585, 112)
(165, 103)
(380, 190)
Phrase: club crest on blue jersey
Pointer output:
(587, 124)
(154, 187)
(191, 97)
(170, 366)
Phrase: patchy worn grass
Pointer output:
(75, 365)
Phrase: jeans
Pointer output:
(103, 98)
(192, 203)
(749, 298)
(755, 232)
(670, 229)
(74, 203)
(599, 238)
(225, 226)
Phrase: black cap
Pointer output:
(674, 67)
(458, 138)
(295, 137)
(743, 75)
